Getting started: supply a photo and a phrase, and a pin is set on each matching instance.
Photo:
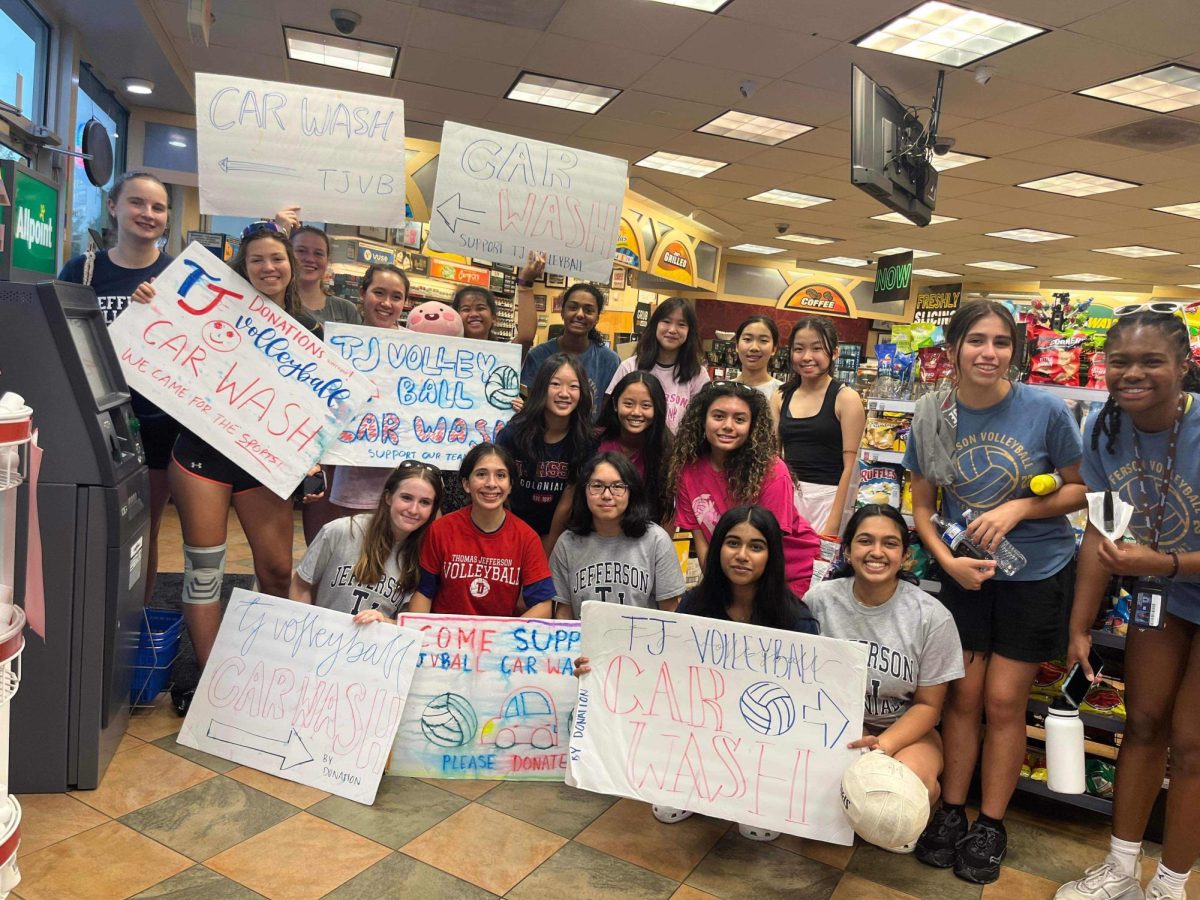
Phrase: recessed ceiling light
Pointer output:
(691, 166)
(138, 86)
(1029, 235)
(1135, 251)
(710, 6)
(545, 90)
(808, 239)
(901, 220)
(1191, 210)
(848, 261)
(1085, 276)
(177, 140)
(948, 35)
(789, 198)
(756, 248)
(756, 129)
(917, 254)
(952, 160)
(341, 52)
(1078, 184)
(935, 273)
(999, 265)
(1162, 90)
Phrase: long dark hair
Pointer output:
(596, 294)
(829, 343)
(528, 426)
(469, 290)
(967, 315)
(688, 362)
(1175, 335)
(478, 452)
(657, 443)
(375, 269)
(775, 605)
(637, 514)
(843, 568)
(379, 543)
(291, 294)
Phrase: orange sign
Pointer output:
(460, 274)
(629, 248)
(817, 298)
(675, 262)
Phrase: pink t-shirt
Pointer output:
(679, 393)
(636, 457)
(703, 497)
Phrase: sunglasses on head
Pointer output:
(257, 228)
(1162, 307)
(736, 386)
(417, 464)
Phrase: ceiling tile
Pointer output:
(797, 103)
(817, 16)
(995, 139)
(792, 161)
(700, 83)
(1155, 26)
(606, 128)
(526, 14)
(472, 38)
(1039, 12)
(457, 106)
(531, 117)
(456, 72)
(1066, 61)
(607, 65)
(650, 27)
(758, 49)
(654, 109)
(1070, 114)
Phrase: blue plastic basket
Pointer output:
(162, 631)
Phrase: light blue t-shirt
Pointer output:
(1103, 470)
(996, 452)
(598, 361)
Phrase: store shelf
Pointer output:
(1095, 749)
(1108, 639)
(1088, 395)
(904, 406)
(893, 457)
(1089, 720)
(1083, 801)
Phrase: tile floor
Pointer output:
(171, 822)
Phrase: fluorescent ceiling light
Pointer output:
(691, 166)
(1161, 90)
(917, 254)
(545, 90)
(1135, 251)
(948, 35)
(1191, 210)
(1084, 276)
(848, 261)
(935, 273)
(138, 86)
(341, 52)
(789, 198)
(999, 265)
(756, 129)
(901, 220)
(756, 248)
(1196, 286)
(952, 160)
(1029, 235)
(810, 239)
(177, 141)
(1078, 184)
(710, 6)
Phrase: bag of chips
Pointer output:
(1100, 777)
(887, 430)
(1056, 358)
(884, 387)
(879, 484)
(1104, 700)
(935, 370)
(1095, 376)
(1048, 682)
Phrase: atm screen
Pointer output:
(84, 335)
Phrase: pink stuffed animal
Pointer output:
(433, 317)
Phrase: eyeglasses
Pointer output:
(256, 228)
(417, 464)
(617, 489)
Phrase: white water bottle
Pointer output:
(1064, 749)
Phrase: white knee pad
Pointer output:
(203, 571)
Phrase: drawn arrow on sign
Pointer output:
(238, 165)
(827, 715)
(291, 750)
(455, 215)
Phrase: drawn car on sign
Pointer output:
(527, 716)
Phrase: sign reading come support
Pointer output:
(237, 370)
(492, 698)
(303, 693)
(263, 145)
(734, 721)
(498, 196)
(438, 396)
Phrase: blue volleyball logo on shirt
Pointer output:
(768, 708)
(987, 475)
(1183, 507)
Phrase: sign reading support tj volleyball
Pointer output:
(264, 145)
(734, 721)
(438, 396)
(237, 370)
(493, 698)
(499, 196)
(303, 693)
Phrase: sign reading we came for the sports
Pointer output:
(238, 371)
(438, 396)
(263, 145)
(735, 721)
(492, 698)
(303, 693)
(498, 196)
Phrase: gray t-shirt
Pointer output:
(328, 565)
(631, 571)
(336, 309)
(911, 642)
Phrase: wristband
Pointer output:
(1174, 564)
(523, 283)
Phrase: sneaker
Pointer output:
(182, 702)
(978, 855)
(935, 846)
(755, 833)
(1101, 882)
(669, 815)
(1156, 891)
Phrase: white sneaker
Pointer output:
(1156, 891)
(1101, 882)
(669, 815)
(755, 833)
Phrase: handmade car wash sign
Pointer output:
(437, 396)
(264, 145)
(734, 721)
(302, 692)
(492, 698)
(235, 369)
(498, 197)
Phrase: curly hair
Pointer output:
(746, 467)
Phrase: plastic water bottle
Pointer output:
(1064, 749)
(955, 537)
(1009, 559)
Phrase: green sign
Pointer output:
(892, 278)
(35, 224)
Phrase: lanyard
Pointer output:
(1169, 470)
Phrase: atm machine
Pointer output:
(93, 501)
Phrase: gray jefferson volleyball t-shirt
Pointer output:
(911, 642)
(328, 565)
(631, 571)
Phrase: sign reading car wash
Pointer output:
(675, 263)
(439, 268)
(817, 298)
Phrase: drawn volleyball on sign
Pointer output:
(502, 387)
(449, 720)
(768, 708)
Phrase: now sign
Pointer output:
(892, 278)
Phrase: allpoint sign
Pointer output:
(892, 278)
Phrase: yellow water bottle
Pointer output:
(1043, 485)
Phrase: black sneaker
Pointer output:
(182, 701)
(980, 853)
(936, 845)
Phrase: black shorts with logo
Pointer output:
(199, 460)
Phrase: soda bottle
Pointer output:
(1009, 559)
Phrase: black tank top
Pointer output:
(812, 447)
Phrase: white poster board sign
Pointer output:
(498, 196)
(235, 369)
(438, 396)
(734, 721)
(492, 698)
(263, 145)
(302, 692)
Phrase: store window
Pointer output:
(90, 222)
(24, 40)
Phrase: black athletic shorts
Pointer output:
(199, 460)
(158, 431)
(1023, 620)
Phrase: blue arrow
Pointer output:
(237, 165)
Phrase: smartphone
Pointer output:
(312, 484)
(1076, 686)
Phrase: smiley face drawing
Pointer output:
(221, 336)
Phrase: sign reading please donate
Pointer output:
(237, 370)
(498, 196)
(735, 721)
(263, 145)
(303, 693)
(438, 396)
(492, 698)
